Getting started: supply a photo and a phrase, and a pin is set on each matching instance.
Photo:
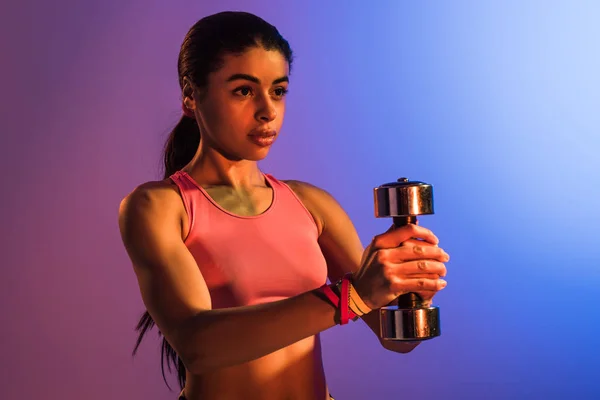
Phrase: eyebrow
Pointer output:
(254, 79)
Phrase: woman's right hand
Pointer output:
(400, 261)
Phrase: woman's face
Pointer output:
(240, 111)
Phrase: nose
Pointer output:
(266, 111)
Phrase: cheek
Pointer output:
(230, 120)
(217, 114)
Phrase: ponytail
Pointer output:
(167, 352)
(179, 150)
(181, 145)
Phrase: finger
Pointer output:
(411, 253)
(417, 269)
(417, 285)
(416, 242)
(428, 267)
(420, 267)
(428, 276)
(393, 237)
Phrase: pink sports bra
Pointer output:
(255, 259)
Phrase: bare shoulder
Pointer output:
(153, 200)
(148, 194)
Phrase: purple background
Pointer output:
(494, 103)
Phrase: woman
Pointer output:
(232, 263)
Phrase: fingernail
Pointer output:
(443, 283)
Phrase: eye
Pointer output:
(244, 91)
(280, 92)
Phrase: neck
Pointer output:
(210, 168)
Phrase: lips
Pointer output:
(263, 138)
(263, 134)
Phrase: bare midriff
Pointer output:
(292, 373)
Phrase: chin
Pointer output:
(248, 154)
(257, 156)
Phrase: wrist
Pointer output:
(355, 301)
(342, 295)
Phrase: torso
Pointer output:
(292, 373)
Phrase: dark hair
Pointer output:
(201, 53)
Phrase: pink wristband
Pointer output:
(326, 289)
(345, 312)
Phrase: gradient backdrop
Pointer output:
(496, 104)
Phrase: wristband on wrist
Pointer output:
(341, 300)
(356, 303)
(360, 308)
(345, 302)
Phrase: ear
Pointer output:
(187, 94)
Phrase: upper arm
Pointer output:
(171, 284)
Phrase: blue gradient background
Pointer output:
(496, 104)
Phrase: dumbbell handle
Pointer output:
(407, 300)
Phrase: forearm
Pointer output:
(225, 337)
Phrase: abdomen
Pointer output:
(294, 373)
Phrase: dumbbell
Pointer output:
(407, 318)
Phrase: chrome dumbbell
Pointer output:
(406, 318)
